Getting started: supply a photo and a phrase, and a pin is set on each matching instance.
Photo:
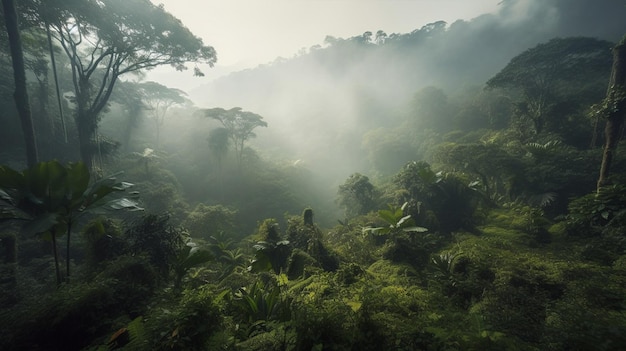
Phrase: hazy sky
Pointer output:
(247, 33)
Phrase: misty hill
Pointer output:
(347, 86)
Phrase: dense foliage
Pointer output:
(470, 220)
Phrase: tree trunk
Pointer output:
(616, 110)
(56, 81)
(21, 94)
(594, 136)
(67, 253)
(55, 252)
(46, 122)
(132, 120)
(86, 134)
(158, 135)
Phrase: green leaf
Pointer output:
(6, 197)
(222, 295)
(415, 229)
(123, 204)
(10, 179)
(374, 230)
(94, 195)
(123, 186)
(78, 179)
(403, 220)
(197, 258)
(388, 216)
(354, 305)
(40, 224)
(252, 305)
(282, 279)
(398, 212)
(7, 213)
(261, 263)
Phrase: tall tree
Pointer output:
(496, 168)
(218, 144)
(218, 140)
(240, 125)
(614, 108)
(19, 75)
(105, 39)
(131, 99)
(158, 99)
(380, 38)
(357, 196)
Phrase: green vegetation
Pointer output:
(471, 219)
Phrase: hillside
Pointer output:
(341, 88)
(433, 190)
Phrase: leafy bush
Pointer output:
(135, 280)
(307, 237)
(155, 237)
(207, 221)
(323, 323)
(69, 318)
(102, 240)
(352, 244)
(524, 291)
(591, 211)
(438, 201)
(189, 325)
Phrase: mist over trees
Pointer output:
(347, 86)
(439, 189)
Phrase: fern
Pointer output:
(539, 150)
(542, 200)
(132, 337)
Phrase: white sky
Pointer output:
(246, 33)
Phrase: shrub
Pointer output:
(156, 238)
(189, 325)
(69, 318)
(103, 240)
(211, 221)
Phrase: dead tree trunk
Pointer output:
(615, 105)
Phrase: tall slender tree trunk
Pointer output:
(56, 81)
(86, 123)
(46, 123)
(616, 111)
(21, 94)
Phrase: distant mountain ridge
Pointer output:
(461, 53)
(337, 91)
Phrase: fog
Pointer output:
(330, 107)
(429, 188)
(319, 104)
